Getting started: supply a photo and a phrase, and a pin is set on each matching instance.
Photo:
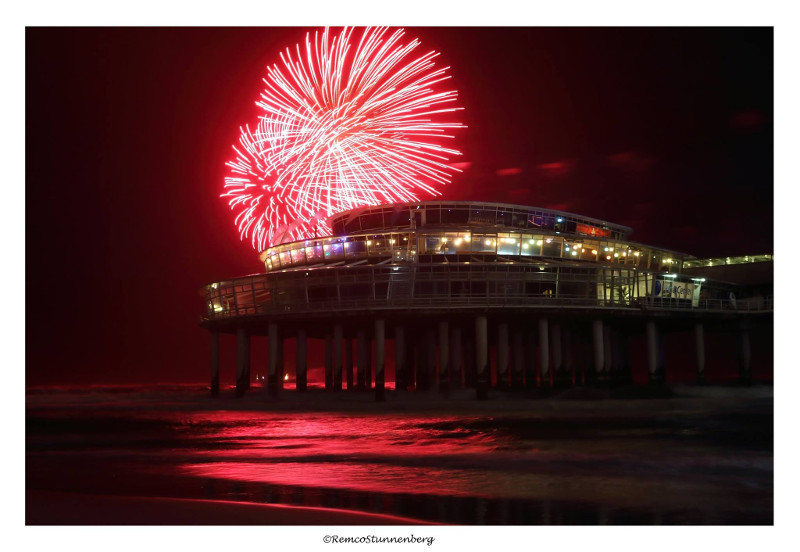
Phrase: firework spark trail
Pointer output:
(345, 123)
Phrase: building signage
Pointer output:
(592, 230)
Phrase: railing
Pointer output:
(333, 290)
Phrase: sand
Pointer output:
(58, 508)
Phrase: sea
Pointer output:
(681, 456)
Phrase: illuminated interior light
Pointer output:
(574, 247)
(458, 241)
(583, 250)
(488, 242)
(616, 254)
(574, 253)
(524, 246)
(346, 245)
(549, 240)
(540, 242)
(559, 219)
(636, 254)
(608, 257)
(594, 251)
(392, 241)
(444, 240)
(605, 249)
(467, 238)
(369, 242)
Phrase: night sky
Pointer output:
(669, 131)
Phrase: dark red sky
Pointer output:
(669, 131)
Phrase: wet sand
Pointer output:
(172, 455)
(59, 508)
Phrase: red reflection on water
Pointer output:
(369, 477)
(258, 435)
(393, 454)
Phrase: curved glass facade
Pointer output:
(469, 232)
(472, 255)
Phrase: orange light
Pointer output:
(285, 377)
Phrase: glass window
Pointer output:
(484, 243)
(552, 246)
(314, 253)
(333, 250)
(356, 247)
(508, 244)
(379, 245)
(572, 249)
(432, 215)
(482, 216)
(532, 245)
(461, 243)
(589, 251)
(400, 217)
(451, 215)
(298, 256)
(353, 226)
(431, 245)
(371, 221)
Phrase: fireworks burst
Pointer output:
(346, 123)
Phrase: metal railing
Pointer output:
(370, 288)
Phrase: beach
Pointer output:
(171, 455)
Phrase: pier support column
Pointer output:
(275, 374)
(654, 367)
(338, 333)
(745, 367)
(444, 356)
(625, 374)
(599, 355)
(568, 357)
(502, 355)
(400, 379)
(242, 360)
(362, 354)
(481, 358)
(328, 361)
(348, 362)
(456, 357)
(214, 363)
(430, 357)
(518, 358)
(470, 366)
(380, 359)
(700, 351)
(301, 367)
(544, 353)
(530, 358)
(608, 354)
(557, 352)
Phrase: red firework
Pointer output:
(345, 124)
